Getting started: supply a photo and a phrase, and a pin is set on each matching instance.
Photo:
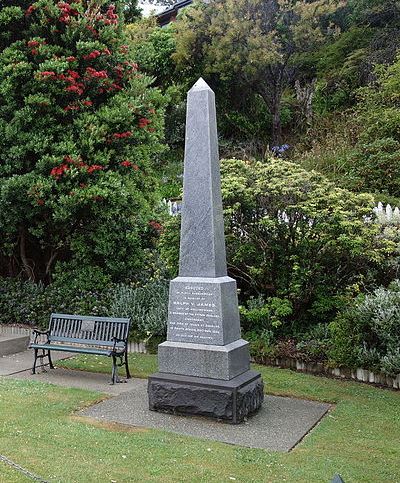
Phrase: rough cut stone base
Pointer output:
(229, 401)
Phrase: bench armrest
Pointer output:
(116, 340)
(37, 332)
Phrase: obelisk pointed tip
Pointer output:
(201, 85)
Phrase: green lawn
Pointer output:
(359, 438)
(10, 475)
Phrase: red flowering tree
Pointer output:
(80, 132)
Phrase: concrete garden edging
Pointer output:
(361, 375)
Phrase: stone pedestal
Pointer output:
(217, 362)
(229, 401)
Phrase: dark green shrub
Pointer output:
(374, 162)
(22, 302)
(265, 316)
(262, 321)
(314, 344)
(31, 304)
(292, 234)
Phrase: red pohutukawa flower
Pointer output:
(66, 12)
(71, 58)
(112, 17)
(114, 87)
(58, 171)
(157, 226)
(93, 31)
(76, 89)
(30, 10)
(94, 167)
(93, 55)
(71, 107)
(121, 135)
(33, 43)
(73, 74)
(98, 74)
(143, 122)
(48, 73)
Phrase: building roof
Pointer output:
(167, 16)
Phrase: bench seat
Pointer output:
(73, 348)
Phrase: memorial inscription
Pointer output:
(195, 314)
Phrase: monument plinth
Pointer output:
(204, 366)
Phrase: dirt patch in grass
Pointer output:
(108, 425)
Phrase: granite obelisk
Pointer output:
(204, 366)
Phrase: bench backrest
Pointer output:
(92, 330)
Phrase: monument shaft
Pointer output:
(202, 249)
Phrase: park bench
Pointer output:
(105, 336)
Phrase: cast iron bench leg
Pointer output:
(114, 376)
(50, 361)
(128, 374)
(34, 362)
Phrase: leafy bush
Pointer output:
(261, 322)
(260, 314)
(367, 333)
(292, 234)
(27, 303)
(390, 363)
(147, 306)
(21, 302)
(313, 345)
(374, 163)
(80, 133)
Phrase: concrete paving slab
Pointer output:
(79, 379)
(13, 343)
(23, 361)
(278, 426)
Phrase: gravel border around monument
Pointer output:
(278, 426)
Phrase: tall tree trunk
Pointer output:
(29, 272)
(272, 100)
(49, 264)
(276, 121)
